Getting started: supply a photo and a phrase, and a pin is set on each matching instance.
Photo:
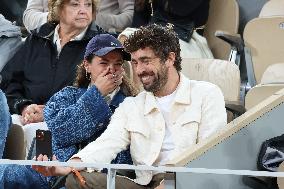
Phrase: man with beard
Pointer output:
(170, 116)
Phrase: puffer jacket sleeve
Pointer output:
(73, 118)
(13, 77)
(115, 139)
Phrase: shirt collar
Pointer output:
(180, 97)
(56, 38)
(183, 95)
(110, 96)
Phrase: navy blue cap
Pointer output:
(102, 44)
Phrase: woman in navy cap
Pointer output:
(78, 114)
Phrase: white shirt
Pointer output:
(56, 38)
(165, 103)
(110, 96)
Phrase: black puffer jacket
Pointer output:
(35, 73)
(179, 11)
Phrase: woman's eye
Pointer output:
(74, 4)
(88, 4)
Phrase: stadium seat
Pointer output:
(223, 21)
(222, 73)
(272, 8)
(260, 92)
(273, 74)
(264, 39)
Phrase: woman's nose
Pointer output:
(83, 9)
(111, 68)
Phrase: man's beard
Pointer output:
(159, 81)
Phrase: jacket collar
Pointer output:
(47, 31)
(117, 99)
(182, 96)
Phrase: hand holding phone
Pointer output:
(43, 143)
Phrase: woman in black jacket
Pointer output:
(47, 61)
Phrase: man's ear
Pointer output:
(171, 59)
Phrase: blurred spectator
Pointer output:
(182, 13)
(10, 40)
(5, 121)
(112, 16)
(115, 16)
(35, 14)
(13, 10)
(47, 61)
(184, 16)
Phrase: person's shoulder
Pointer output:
(204, 87)
(197, 84)
(203, 84)
(93, 30)
(69, 91)
(44, 30)
(136, 101)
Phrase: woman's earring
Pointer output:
(88, 77)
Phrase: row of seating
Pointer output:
(261, 46)
(237, 146)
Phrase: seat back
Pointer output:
(260, 92)
(272, 81)
(222, 73)
(128, 70)
(273, 74)
(223, 15)
(272, 8)
(265, 38)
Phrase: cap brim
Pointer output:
(106, 50)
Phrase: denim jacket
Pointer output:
(76, 117)
(5, 121)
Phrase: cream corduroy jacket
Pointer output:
(198, 112)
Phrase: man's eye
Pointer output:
(146, 61)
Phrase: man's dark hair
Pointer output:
(162, 40)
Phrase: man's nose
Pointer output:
(139, 68)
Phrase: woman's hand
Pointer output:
(32, 114)
(50, 170)
(107, 82)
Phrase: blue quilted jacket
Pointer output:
(76, 117)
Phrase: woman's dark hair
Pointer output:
(83, 80)
(162, 40)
